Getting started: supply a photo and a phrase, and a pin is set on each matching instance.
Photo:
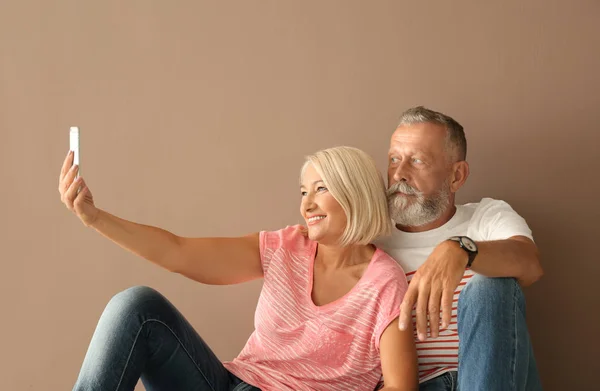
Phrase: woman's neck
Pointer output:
(336, 257)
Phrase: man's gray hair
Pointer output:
(455, 138)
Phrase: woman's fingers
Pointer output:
(74, 193)
(68, 179)
(66, 166)
(80, 197)
(71, 193)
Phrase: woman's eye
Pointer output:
(303, 193)
(321, 188)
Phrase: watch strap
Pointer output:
(471, 254)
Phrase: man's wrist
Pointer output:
(468, 246)
(461, 257)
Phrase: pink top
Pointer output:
(299, 346)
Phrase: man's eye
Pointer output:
(418, 161)
(303, 193)
(394, 160)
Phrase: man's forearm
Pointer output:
(516, 257)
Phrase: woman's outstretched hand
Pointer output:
(79, 202)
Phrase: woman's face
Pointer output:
(324, 216)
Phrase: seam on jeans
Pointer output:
(178, 340)
(516, 337)
(243, 386)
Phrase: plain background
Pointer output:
(196, 116)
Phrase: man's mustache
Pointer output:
(402, 187)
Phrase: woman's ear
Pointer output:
(460, 173)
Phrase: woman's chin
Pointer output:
(316, 234)
(323, 238)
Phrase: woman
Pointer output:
(327, 313)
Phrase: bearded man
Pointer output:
(466, 264)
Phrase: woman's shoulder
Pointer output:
(384, 265)
(291, 237)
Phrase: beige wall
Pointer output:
(195, 116)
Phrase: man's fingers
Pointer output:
(434, 312)
(410, 298)
(65, 166)
(447, 297)
(422, 304)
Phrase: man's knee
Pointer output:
(490, 294)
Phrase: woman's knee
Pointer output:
(134, 300)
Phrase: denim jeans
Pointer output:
(495, 352)
(142, 335)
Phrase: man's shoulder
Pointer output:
(489, 205)
(485, 202)
(495, 219)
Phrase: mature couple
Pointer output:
(336, 311)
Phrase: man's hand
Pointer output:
(433, 285)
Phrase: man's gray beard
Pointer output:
(416, 210)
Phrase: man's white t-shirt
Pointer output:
(486, 220)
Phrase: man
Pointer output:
(466, 264)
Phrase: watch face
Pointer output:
(469, 244)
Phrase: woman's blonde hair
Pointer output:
(353, 179)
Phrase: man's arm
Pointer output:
(434, 283)
(516, 257)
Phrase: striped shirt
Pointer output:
(297, 345)
(440, 355)
(487, 220)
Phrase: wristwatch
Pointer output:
(467, 244)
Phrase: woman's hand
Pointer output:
(79, 202)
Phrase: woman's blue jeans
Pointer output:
(142, 335)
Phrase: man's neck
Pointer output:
(443, 219)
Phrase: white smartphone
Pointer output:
(74, 146)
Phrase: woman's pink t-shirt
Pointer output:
(299, 346)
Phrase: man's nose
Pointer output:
(401, 173)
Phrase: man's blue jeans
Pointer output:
(142, 335)
(495, 352)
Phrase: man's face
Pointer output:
(419, 174)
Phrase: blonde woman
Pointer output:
(327, 314)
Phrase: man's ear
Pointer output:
(460, 173)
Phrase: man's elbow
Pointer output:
(534, 271)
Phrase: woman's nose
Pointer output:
(308, 203)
